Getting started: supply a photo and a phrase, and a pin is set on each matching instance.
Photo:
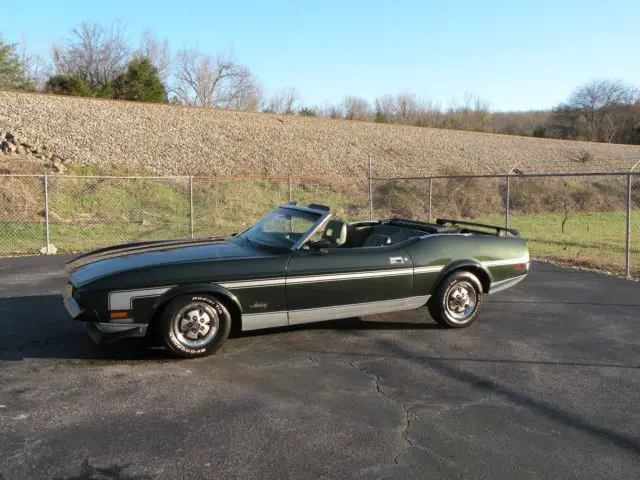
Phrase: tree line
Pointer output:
(97, 60)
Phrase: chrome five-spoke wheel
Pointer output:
(457, 299)
(195, 325)
(461, 301)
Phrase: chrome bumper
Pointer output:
(109, 332)
(72, 307)
(98, 331)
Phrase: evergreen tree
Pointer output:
(140, 83)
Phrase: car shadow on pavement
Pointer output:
(112, 472)
(39, 327)
(354, 323)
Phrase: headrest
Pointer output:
(336, 231)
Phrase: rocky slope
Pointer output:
(171, 140)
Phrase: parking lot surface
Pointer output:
(546, 384)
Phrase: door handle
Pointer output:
(396, 260)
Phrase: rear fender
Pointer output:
(472, 266)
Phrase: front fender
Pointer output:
(211, 288)
(474, 266)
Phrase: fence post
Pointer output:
(46, 211)
(430, 188)
(506, 203)
(628, 240)
(370, 192)
(191, 205)
(290, 191)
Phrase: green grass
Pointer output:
(588, 239)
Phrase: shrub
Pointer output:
(540, 131)
(68, 85)
(307, 112)
(381, 117)
(140, 83)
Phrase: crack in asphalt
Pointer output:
(406, 420)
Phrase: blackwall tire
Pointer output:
(457, 300)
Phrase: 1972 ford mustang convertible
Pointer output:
(296, 265)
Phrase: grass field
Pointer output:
(589, 239)
(87, 212)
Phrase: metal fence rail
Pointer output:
(590, 218)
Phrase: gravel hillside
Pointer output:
(181, 140)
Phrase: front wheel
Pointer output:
(457, 300)
(195, 325)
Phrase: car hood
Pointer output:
(134, 256)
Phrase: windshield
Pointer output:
(281, 228)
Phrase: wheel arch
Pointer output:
(471, 266)
(230, 300)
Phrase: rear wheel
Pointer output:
(195, 325)
(457, 300)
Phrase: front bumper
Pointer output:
(76, 311)
(109, 332)
(98, 331)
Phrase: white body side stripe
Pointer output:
(267, 282)
(432, 269)
(122, 299)
(508, 261)
(330, 277)
(349, 276)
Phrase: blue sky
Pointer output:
(515, 54)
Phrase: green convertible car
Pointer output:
(296, 265)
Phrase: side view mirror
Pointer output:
(321, 245)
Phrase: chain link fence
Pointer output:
(578, 219)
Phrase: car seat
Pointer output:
(377, 240)
(335, 232)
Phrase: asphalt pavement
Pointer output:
(545, 384)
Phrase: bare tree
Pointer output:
(385, 108)
(209, 82)
(247, 94)
(602, 107)
(33, 70)
(407, 108)
(472, 114)
(564, 121)
(356, 108)
(96, 53)
(158, 52)
(329, 110)
(283, 101)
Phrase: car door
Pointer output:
(346, 282)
